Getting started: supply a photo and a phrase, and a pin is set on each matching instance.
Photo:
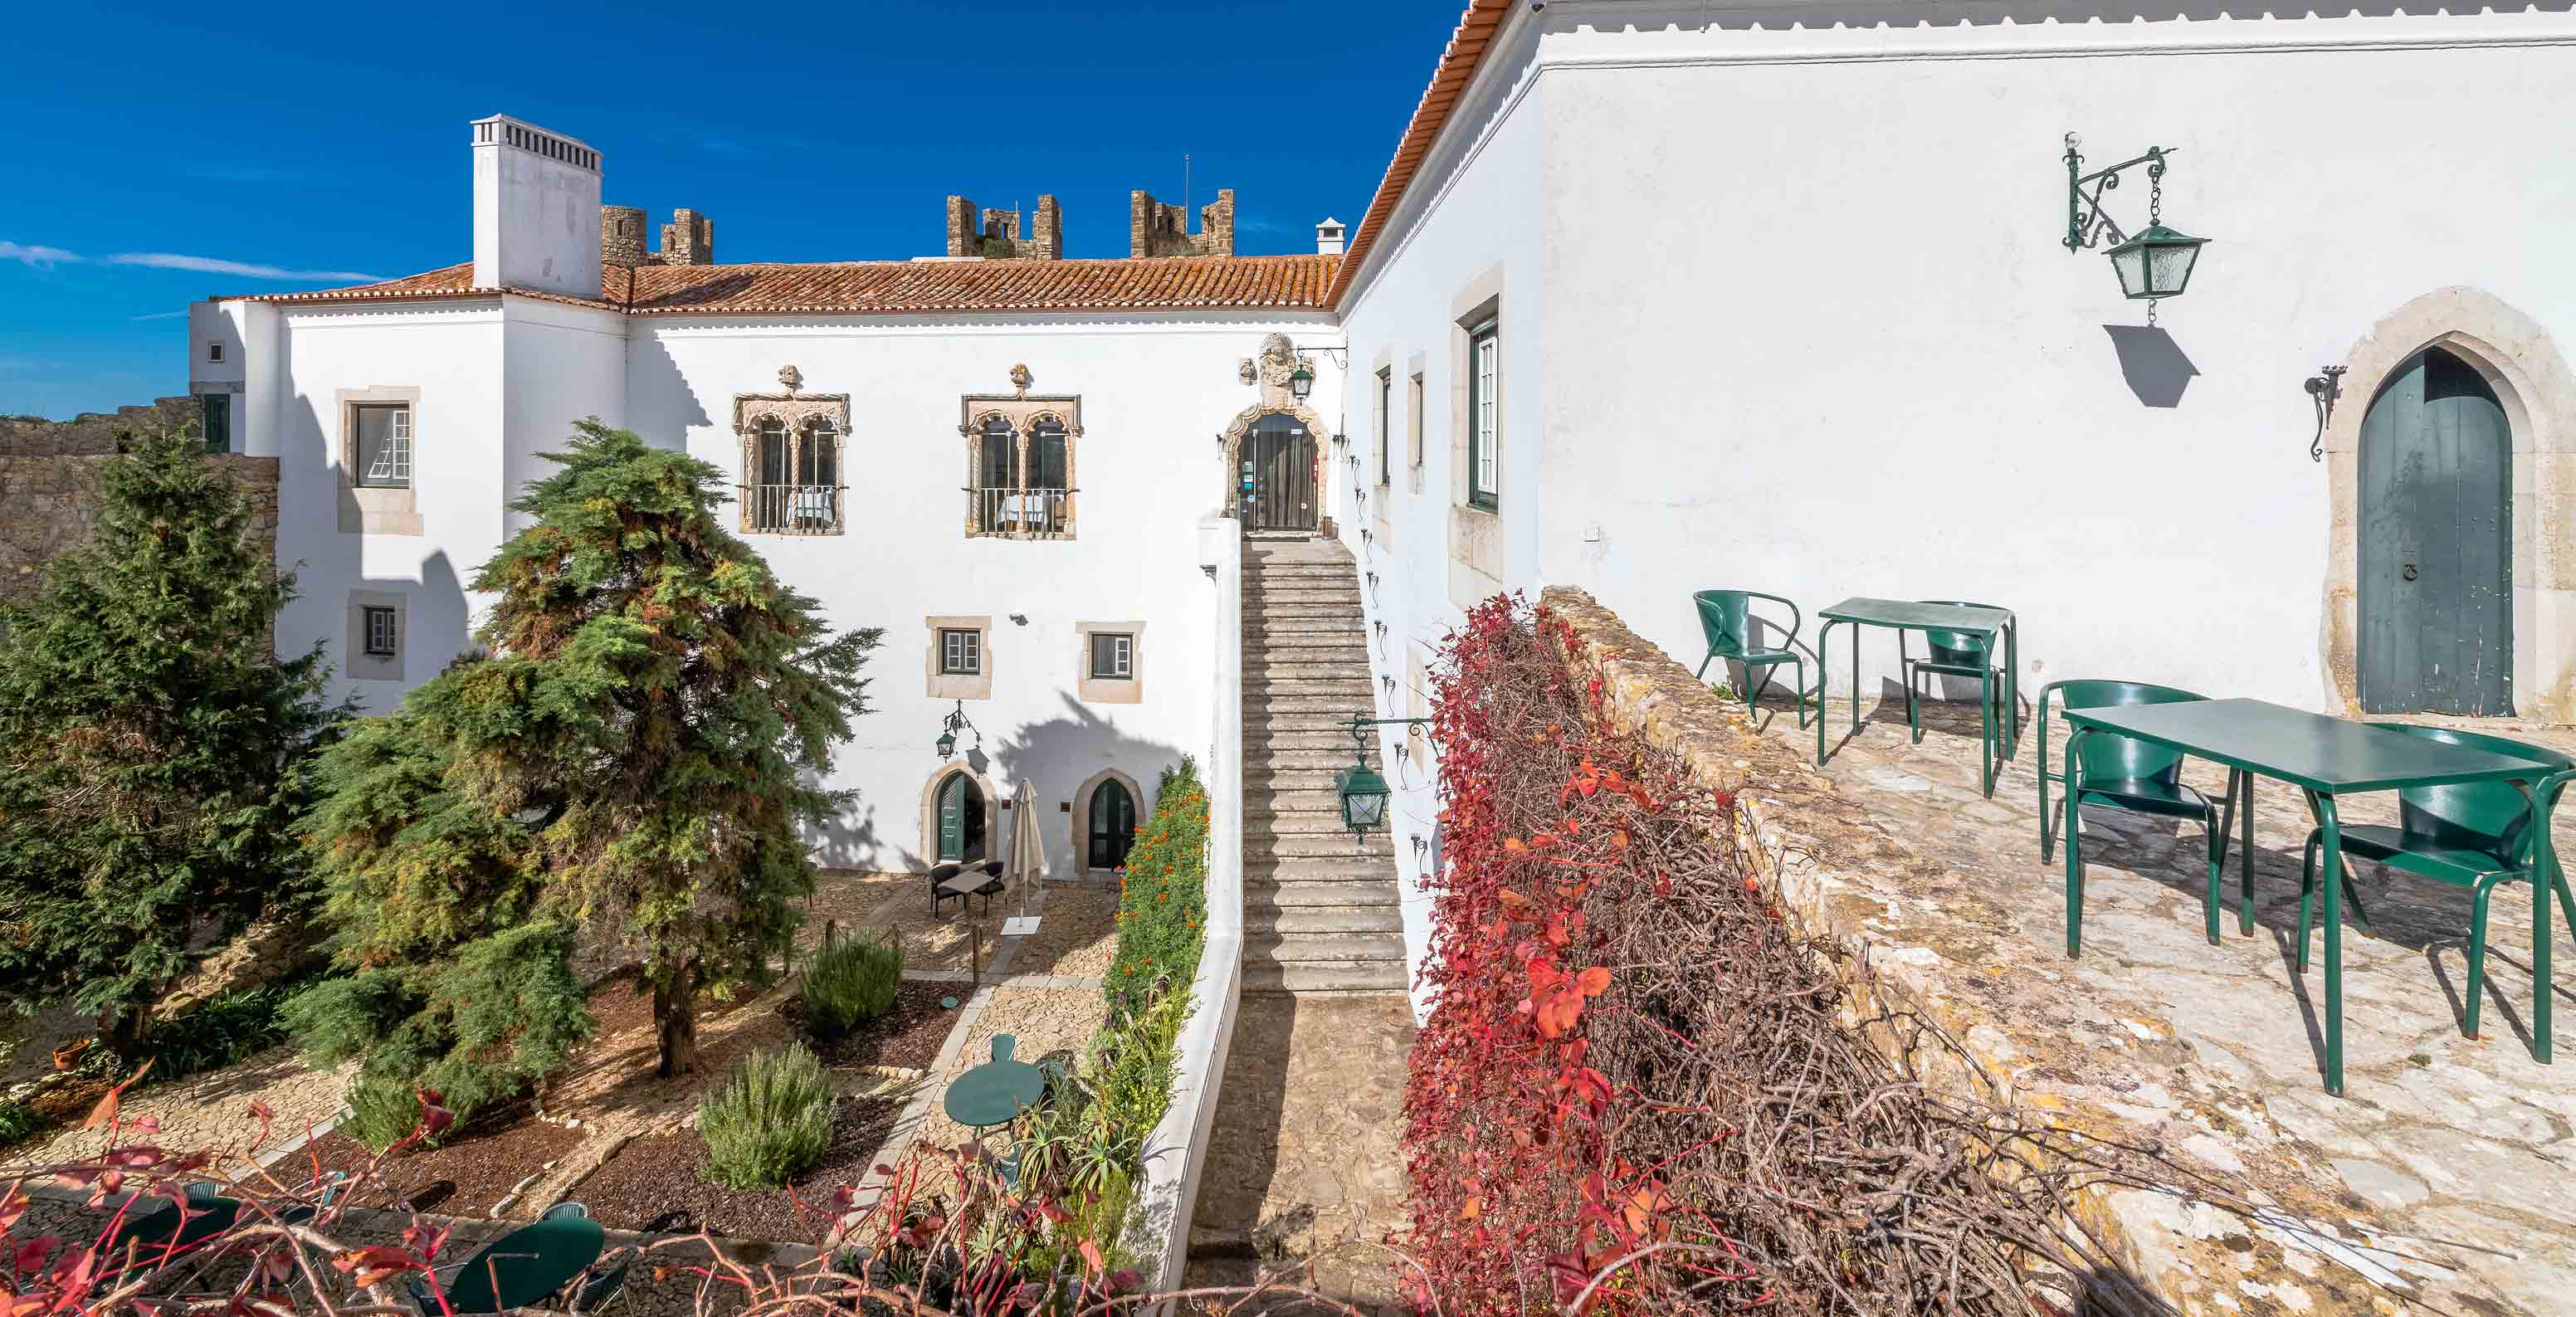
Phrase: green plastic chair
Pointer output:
(2475, 835)
(559, 1251)
(1959, 654)
(2121, 772)
(1726, 619)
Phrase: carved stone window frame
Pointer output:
(794, 411)
(1022, 413)
(1270, 373)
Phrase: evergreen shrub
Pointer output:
(851, 981)
(772, 1119)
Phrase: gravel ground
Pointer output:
(659, 1173)
(1077, 935)
(1042, 1020)
(909, 1035)
(480, 1168)
(211, 1111)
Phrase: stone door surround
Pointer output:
(2531, 378)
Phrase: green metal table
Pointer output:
(521, 1268)
(994, 1093)
(2325, 758)
(1994, 745)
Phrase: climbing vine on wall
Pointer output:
(1638, 1093)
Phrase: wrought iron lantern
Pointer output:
(1364, 793)
(2154, 264)
(952, 723)
(1301, 381)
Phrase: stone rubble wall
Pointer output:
(48, 470)
(1925, 950)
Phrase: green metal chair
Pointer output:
(1726, 619)
(523, 1268)
(1959, 654)
(2120, 772)
(2476, 836)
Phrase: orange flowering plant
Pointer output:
(1162, 902)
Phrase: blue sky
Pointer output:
(164, 153)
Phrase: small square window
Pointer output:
(381, 636)
(1113, 656)
(214, 352)
(961, 652)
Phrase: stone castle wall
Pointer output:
(49, 468)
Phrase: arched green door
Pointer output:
(961, 819)
(2436, 552)
(1113, 824)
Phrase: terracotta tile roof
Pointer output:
(1173, 283)
(1458, 64)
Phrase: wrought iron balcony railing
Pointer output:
(1021, 511)
(791, 509)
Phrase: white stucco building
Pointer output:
(1655, 297)
(1778, 300)
(1003, 463)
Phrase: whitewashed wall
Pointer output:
(1819, 337)
(1476, 226)
(452, 353)
(1155, 392)
(1806, 327)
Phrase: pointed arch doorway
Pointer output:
(2436, 543)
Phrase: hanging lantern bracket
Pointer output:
(2086, 225)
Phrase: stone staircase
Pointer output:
(1319, 905)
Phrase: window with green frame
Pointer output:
(217, 429)
(1385, 421)
(1484, 423)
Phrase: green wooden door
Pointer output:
(1113, 825)
(952, 818)
(2436, 552)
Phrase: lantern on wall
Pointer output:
(1301, 381)
(1364, 794)
(2155, 263)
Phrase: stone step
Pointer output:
(1274, 565)
(1280, 760)
(1305, 645)
(1263, 631)
(1382, 917)
(1293, 706)
(1269, 897)
(1299, 607)
(1322, 948)
(1378, 976)
(1338, 844)
(1305, 871)
(1265, 800)
(1321, 679)
(1257, 827)
(1298, 588)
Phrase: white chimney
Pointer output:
(536, 209)
(1328, 237)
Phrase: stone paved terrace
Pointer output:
(2441, 1184)
(2220, 1049)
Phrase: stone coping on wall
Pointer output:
(1941, 944)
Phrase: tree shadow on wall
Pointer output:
(2152, 362)
(1061, 753)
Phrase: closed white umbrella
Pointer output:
(1028, 855)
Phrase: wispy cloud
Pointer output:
(162, 315)
(34, 253)
(238, 269)
(37, 254)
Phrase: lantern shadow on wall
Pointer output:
(2152, 363)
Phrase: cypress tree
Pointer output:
(153, 748)
(628, 760)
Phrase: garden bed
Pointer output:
(907, 1036)
(479, 1167)
(658, 1174)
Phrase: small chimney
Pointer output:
(621, 236)
(537, 222)
(1328, 237)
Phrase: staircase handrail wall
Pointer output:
(1175, 1154)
